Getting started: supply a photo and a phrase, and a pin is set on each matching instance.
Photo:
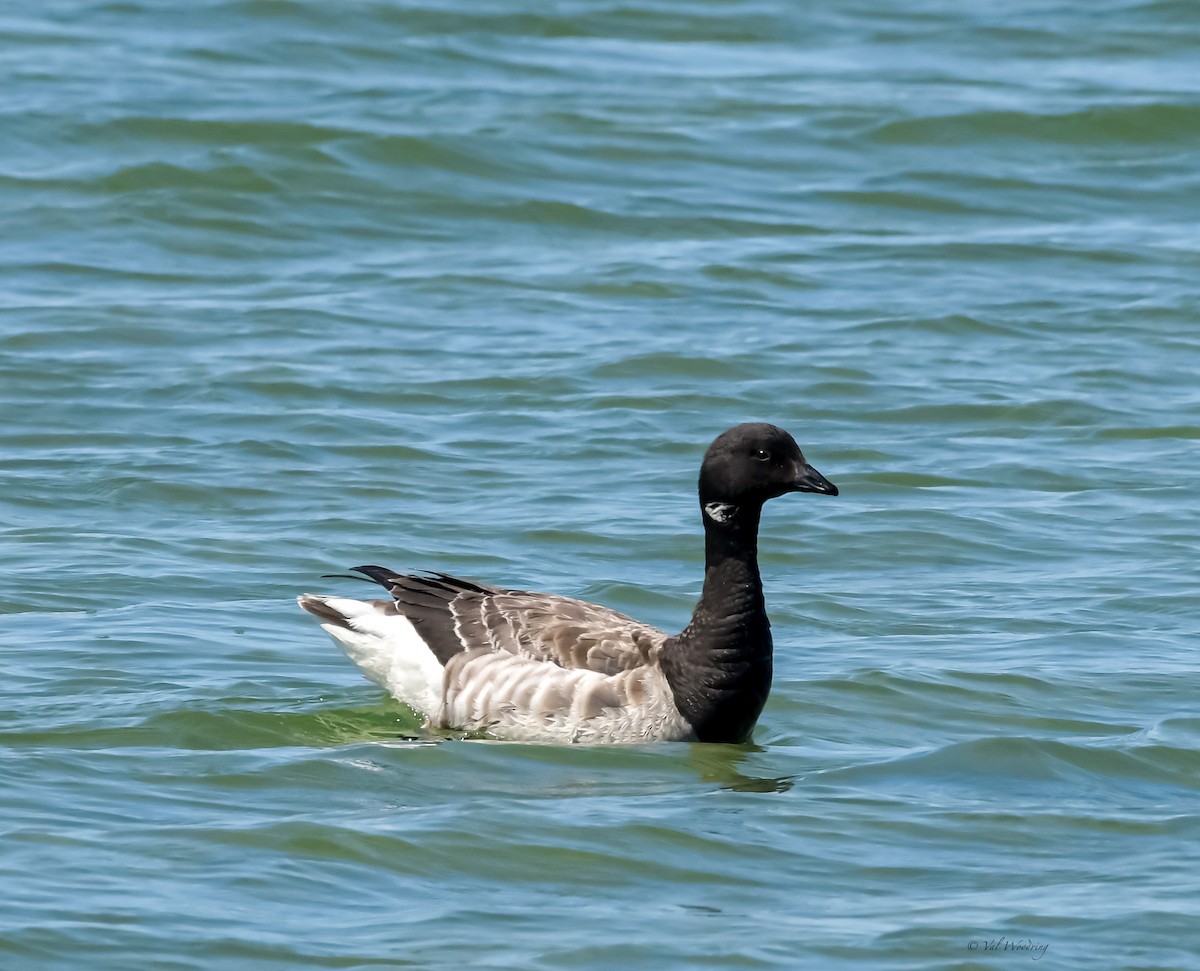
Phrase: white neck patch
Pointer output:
(720, 512)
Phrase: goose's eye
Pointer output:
(762, 455)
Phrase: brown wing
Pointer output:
(454, 615)
(571, 633)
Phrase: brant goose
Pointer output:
(537, 667)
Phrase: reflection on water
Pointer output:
(719, 764)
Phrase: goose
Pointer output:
(536, 667)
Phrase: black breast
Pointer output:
(720, 693)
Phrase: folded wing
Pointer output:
(454, 616)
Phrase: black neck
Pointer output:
(720, 666)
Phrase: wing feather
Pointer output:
(454, 616)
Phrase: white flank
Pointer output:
(389, 651)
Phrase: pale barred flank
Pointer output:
(525, 700)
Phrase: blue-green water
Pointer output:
(293, 286)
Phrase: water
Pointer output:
(295, 286)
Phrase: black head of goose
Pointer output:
(540, 667)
